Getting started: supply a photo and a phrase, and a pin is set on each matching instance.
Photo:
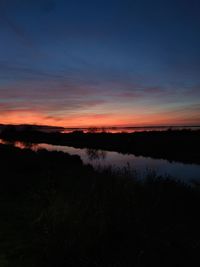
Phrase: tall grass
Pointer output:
(57, 212)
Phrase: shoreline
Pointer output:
(173, 145)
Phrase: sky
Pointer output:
(76, 63)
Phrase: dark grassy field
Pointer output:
(57, 212)
(173, 145)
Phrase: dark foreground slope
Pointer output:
(57, 212)
(176, 145)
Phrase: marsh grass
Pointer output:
(58, 212)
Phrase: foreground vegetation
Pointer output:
(57, 212)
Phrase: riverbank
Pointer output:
(58, 212)
(177, 145)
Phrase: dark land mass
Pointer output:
(173, 145)
(57, 212)
(30, 127)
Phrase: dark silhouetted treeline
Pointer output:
(57, 212)
(173, 145)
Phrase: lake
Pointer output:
(139, 164)
(128, 129)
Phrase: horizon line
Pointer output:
(98, 127)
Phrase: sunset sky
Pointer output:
(100, 62)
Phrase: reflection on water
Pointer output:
(95, 154)
(141, 165)
(19, 144)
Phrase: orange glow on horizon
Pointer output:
(92, 120)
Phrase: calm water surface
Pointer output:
(184, 172)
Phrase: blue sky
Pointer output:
(83, 63)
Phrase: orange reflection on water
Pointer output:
(22, 145)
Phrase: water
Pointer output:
(142, 165)
(129, 129)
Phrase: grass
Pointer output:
(57, 212)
